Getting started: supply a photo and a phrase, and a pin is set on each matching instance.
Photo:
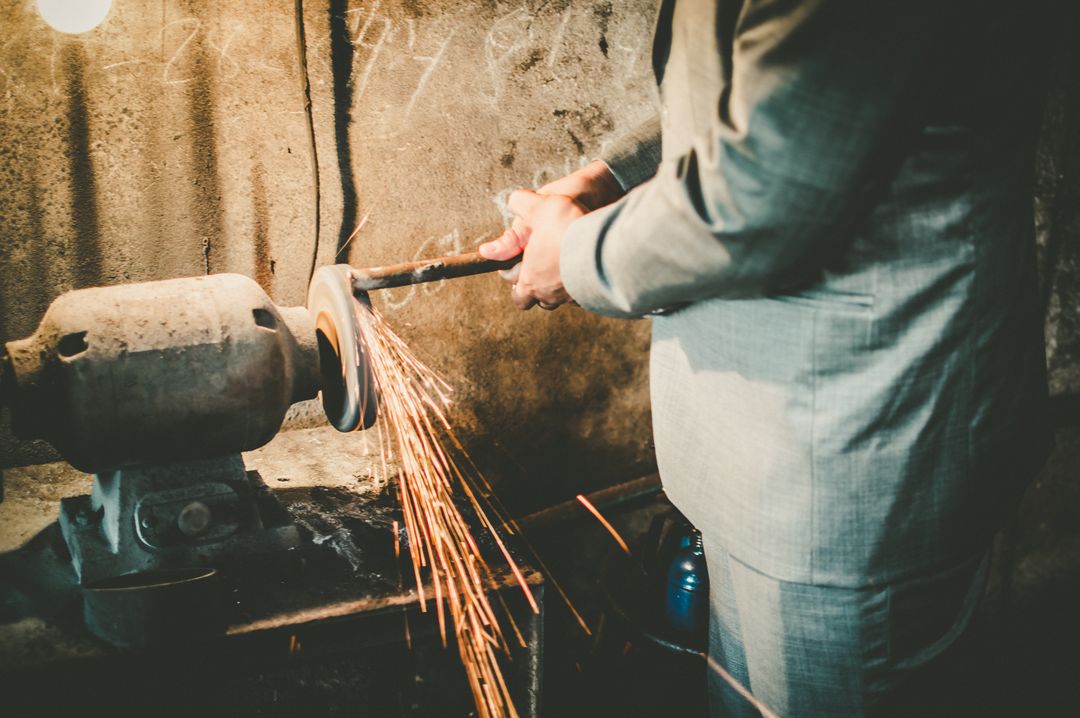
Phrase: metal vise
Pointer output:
(156, 388)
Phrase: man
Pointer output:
(832, 221)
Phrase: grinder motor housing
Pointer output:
(156, 388)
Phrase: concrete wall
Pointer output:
(173, 140)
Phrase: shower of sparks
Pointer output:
(363, 221)
(606, 524)
(413, 402)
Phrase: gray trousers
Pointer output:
(806, 650)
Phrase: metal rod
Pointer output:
(426, 270)
(610, 497)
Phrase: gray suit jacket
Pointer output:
(850, 388)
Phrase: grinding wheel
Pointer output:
(348, 387)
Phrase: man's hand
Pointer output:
(537, 232)
(593, 186)
(547, 213)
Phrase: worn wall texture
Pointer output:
(173, 140)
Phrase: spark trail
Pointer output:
(413, 403)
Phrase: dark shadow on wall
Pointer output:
(205, 174)
(34, 269)
(533, 467)
(264, 263)
(86, 231)
(341, 60)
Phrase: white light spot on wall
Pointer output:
(73, 16)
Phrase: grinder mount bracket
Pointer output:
(208, 512)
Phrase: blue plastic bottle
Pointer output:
(686, 602)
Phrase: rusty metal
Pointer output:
(180, 369)
(138, 518)
(156, 388)
(426, 270)
(161, 371)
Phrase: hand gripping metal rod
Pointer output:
(426, 270)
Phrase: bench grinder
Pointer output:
(155, 388)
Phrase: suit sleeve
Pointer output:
(635, 156)
(823, 98)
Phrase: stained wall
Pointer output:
(175, 140)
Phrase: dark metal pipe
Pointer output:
(638, 489)
(426, 270)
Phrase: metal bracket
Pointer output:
(198, 513)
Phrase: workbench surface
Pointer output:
(336, 489)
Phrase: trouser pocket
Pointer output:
(928, 613)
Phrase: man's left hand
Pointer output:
(542, 219)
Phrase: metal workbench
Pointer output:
(333, 628)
